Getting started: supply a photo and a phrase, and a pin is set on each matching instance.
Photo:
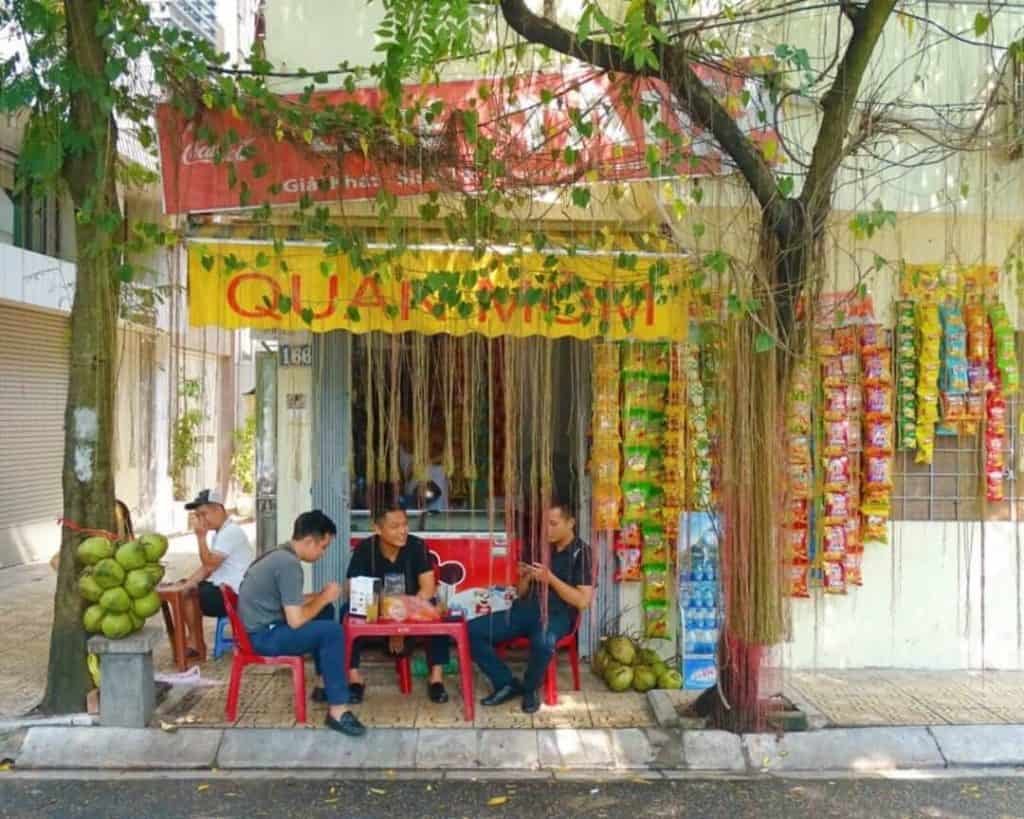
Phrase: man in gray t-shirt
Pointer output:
(281, 620)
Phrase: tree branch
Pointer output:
(837, 106)
(676, 70)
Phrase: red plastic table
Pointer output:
(458, 630)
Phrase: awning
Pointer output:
(237, 285)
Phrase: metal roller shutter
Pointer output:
(33, 389)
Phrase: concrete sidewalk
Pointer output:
(519, 753)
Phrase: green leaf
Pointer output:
(125, 272)
(763, 342)
(981, 24)
(786, 185)
(581, 197)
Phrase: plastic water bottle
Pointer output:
(710, 618)
(690, 643)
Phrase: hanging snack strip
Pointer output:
(798, 466)
(929, 343)
(906, 377)
(604, 454)
(953, 378)
(1005, 348)
(979, 381)
(879, 443)
(835, 508)
(698, 436)
(674, 445)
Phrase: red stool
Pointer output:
(570, 642)
(245, 656)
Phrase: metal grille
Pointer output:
(952, 487)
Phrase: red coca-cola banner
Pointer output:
(547, 130)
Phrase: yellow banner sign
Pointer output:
(237, 285)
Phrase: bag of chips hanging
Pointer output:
(655, 586)
(834, 577)
(798, 586)
(879, 436)
(833, 542)
(797, 543)
(628, 559)
(656, 622)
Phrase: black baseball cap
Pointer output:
(204, 497)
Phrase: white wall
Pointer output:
(941, 596)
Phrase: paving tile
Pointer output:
(845, 749)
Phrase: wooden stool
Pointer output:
(172, 604)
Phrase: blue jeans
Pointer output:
(522, 620)
(322, 637)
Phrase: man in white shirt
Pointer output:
(224, 554)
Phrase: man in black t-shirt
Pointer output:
(568, 582)
(398, 559)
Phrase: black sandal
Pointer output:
(436, 692)
(355, 693)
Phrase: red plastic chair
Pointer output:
(570, 642)
(245, 656)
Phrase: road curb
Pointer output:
(495, 753)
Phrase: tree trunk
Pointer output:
(88, 479)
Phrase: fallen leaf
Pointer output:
(494, 801)
(202, 788)
(378, 791)
(6, 766)
(430, 787)
(169, 727)
(639, 780)
(333, 790)
(330, 801)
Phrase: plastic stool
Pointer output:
(222, 643)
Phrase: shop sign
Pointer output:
(295, 355)
(533, 121)
(237, 286)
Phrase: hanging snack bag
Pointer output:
(835, 404)
(628, 559)
(834, 579)
(872, 338)
(641, 463)
(656, 623)
(837, 507)
(837, 434)
(852, 568)
(833, 542)
(877, 368)
(655, 586)
(797, 544)
(878, 402)
(606, 507)
(879, 436)
(837, 473)
(878, 473)
(798, 586)
(875, 529)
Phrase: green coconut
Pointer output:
(644, 678)
(92, 619)
(94, 549)
(88, 587)
(138, 583)
(131, 556)
(137, 622)
(659, 668)
(647, 656)
(622, 650)
(600, 661)
(116, 626)
(155, 571)
(115, 600)
(155, 546)
(147, 606)
(671, 679)
(619, 677)
(108, 573)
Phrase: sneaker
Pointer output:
(348, 724)
(437, 693)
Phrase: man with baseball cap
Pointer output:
(224, 555)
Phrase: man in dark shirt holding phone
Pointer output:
(568, 582)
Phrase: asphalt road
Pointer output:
(706, 799)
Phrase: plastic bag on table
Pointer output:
(403, 608)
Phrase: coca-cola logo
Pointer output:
(198, 152)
